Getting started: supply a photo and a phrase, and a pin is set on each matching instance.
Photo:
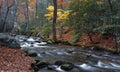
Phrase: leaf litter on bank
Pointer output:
(14, 60)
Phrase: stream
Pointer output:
(84, 60)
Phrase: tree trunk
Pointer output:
(27, 16)
(111, 7)
(4, 21)
(115, 36)
(54, 20)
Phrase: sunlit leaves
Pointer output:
(85, 0)
(49, 15)
(99, 2)
(61, 14)
(74, 14)
(50, 8)
(32, 2)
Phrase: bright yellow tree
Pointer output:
(61, 14)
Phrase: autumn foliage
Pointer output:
(61, 14)
(14, 60)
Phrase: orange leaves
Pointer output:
(63, 3)
(32, 3)
(12, 60)
(21, 16)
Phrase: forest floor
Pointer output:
(101, 41)
(14, 60)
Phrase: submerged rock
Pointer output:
(51, 67)
(59, 63)
(67, 66)
(42, 64)
(12, 43)
(32, 53)
(9, 41)
(34, 67)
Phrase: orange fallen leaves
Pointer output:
(14, 60)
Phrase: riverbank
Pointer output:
(103, 42)
(14, 60)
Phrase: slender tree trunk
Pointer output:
(27, 16)
(0, 12)
(110, 4)
(36, 8)
(4, 21)
(15, 15)
(54, 20)
(115, 36)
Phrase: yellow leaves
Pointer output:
(99, 2)
(85, 1)
(61, 14)
(50, 8)
(66, 13)
(74, 14)
(49, 15)
(61, 10)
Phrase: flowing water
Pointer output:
(84, 60)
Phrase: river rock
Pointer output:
(9, 41)
(32, 53)
(42, 64)
(70, 51)
(77, 70)
(34, 67)
(59, 63)
(51, 67)
(3, 39)
(37, 61)
(67, 66)
(13, 43)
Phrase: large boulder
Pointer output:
(3, 39)
(13, 43)
(9, 41)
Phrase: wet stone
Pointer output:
(37, 61)
(51, 67)
(32, 54)
(76, 70)
(59, 63)
(42, 64)
(67, 66)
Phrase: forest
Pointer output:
(60, 35)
